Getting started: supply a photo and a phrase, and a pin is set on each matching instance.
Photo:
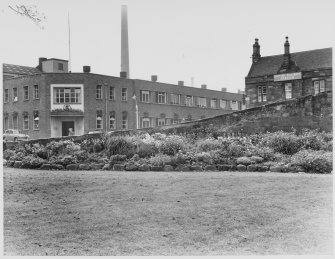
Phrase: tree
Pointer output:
(31, 12)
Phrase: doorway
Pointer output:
(66, 125)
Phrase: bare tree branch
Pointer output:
(29, 11)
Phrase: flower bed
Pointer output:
(310, 151)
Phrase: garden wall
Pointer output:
(313, 112)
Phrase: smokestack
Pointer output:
(124, 41)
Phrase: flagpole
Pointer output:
(68, 21)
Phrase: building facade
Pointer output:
(287, 76)
(50, 102)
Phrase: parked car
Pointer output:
(14, 135)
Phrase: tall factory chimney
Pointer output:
(124, 42)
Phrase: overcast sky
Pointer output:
(210, 40)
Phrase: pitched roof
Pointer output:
(20, 70)
(305, 60)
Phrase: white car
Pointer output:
(14, 135)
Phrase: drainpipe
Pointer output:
(106, 91)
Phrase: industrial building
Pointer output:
(287, 76)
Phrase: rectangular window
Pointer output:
(36, 120)
(98, 92)
(213, 103)
(36, 92)
(67, 95)
(15, 121)
(111, 93)
(189, 100)
(26, 122)
(146, 123)
(145, 96)
(319, 86)
(6, 96)
(202, 102)
(15, 99)
(175, 98)
(124, 120)
(98, 121)
(161, 122)
(262, 93)
(60, 66)
(112, 120)
(161, 97)
(288, 90)
(124, 94)
(5, 123)
(234, 105)
(25, 93)
(223, 104)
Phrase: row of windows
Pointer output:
(161, 98)
(67, 95)
(319, 87)
(98, 93)
(25, 96)
(25, 121)
(112, 120)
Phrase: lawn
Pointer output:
(166, 213)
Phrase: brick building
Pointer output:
(49, 100)
(287, 76)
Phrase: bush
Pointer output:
(172, 144)
(314, 161)
(119, 145)
(205, 145)
(146, 149)
(266, 153)
(283, 142)
(159, 160)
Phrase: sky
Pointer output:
(209, 40)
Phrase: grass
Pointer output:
(166, 213)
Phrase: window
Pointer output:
(124, 94)
(161, 122)
(60, 66)
(213, 103)
(111, 93)
(25, 122)
(161, 97)
(262, 92)
(36, 92)
(5, 123)
(98, 92)
(36, 120)
(25, 93)
(175, 98)
(15, 121)
(99, 120)
(202, 102)
(124, 120)
(146, 123)
(223, 104)
(189, 100)
(112, 120)
(67, 95)
(15, 94)
(319, 86)
(6, 96)
(234, 105)
(175, 119)
(288, 90)
(145, 96)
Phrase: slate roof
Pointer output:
(305, 60)
(19, 70)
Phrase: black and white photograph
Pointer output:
(167, 128)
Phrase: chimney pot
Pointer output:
(86, 69)
(181, 83)
(203, 86)
(154, 78)
(123, 74)
(256, 54)
(224, 89)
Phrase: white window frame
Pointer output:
(145, 96)
(223, 104)
(112, 93)
(202, 102)
(26, 93)
(36, 92)
(214, 103)
(6, 123)
(262, 94)
(98, 92)
(145, 120)
(16, 122)
(98, 122)
(36, 121)
(70, 95)
(161, 122)
(288, 90)
(124, 120)
(175, 98)
(234, 105)
(189, 100)
(319, 86)
(25, 122)
(112, 121)
(6, 96)
(161, 97)
(15, 94)
(124, 94)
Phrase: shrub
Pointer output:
(265, 152)
(146, 149)
(314, 161)
(159, 160)
(205, 145)
(282, 142)
(205, 157)
(172, 144)
(119, 145)
(117, 159)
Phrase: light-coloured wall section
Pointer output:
(76, 106)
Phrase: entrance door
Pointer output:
(66, 125)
